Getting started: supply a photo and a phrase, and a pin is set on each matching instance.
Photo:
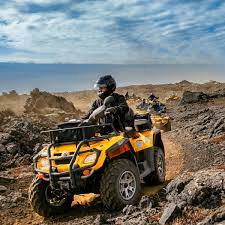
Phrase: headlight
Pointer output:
(90, 158)
(44, 162)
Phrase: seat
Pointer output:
(142, 122)
(139, 122)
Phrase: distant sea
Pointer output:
(75, 77)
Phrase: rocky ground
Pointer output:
(20, 136)
(195, 154)
(20, 139)
(201, 132)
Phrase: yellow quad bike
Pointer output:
(83, 158)
(141, 110)
(172, 97)
(132, 101)
(161, 122)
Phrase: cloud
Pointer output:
(40, 2)
(113, 31)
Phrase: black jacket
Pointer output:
(120, 106)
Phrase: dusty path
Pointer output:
(174, 156)
(174, 163)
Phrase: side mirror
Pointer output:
(109, 101)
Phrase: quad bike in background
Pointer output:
(133, 99)
(82, 158)
(173, 97)
(142, 109)
(160, 120)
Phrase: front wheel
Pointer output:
(120, 184)
(45, 202)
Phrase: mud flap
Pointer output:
(148, 165)
(157, 140)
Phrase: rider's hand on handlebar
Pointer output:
(110, 110)
(84, 123)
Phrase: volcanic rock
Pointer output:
(203, 189)
(46, 103)
(170, 212)
(193, 97)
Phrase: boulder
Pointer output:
(170, 212)
(42, 102)
(3, 188)
(13, 148)
(193, 97)
(145, 202)
(203, 189)
(4, 138)
(143, 213)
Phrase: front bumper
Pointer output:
(72, 171)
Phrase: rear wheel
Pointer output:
(158, 175)
(45, 202)
(120, 184)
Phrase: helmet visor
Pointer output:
(98, 85)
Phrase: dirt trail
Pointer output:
(174, 164)
(174, 157)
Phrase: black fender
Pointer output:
(149, 155)
(157, 139)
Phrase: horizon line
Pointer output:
(59, 92)
(63, 63)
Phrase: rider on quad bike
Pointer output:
(156, 104)
(80, 159)
(143, 104)
(152, 97)
(106, 87)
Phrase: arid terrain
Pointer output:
(195, 156)
(83, 99)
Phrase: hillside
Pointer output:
(83, 99)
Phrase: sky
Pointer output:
(113, 31)
(61, 45)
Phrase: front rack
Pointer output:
(82, 128)
(72, 167)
